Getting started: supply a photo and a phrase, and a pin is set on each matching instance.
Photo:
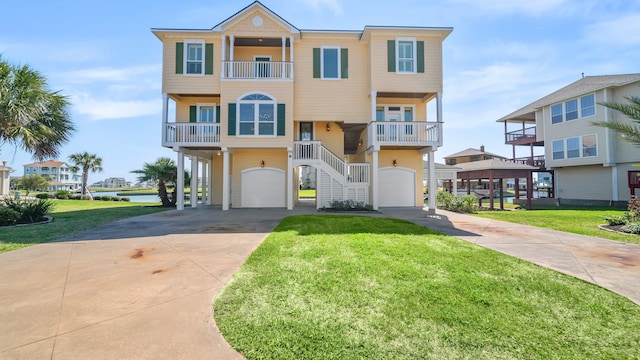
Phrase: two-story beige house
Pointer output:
(589, 164)
(256, 99)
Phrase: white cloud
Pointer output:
(621, 31)
(93, 108)
(108, 74)
(333, 5)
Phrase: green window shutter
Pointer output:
(391, 55)
(232, 119)
(208, 59)
(344, 66)
(179, 57)
(316, 63)
(192, 113)
(218, 114)
(420, 55)
(281, 119)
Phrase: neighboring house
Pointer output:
(257, 99)
(470, 155)
(60, 173)
(446, 176)
(5, 179)
(115, 182)
(589, 164)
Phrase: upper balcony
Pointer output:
(524, 136)
(191, 134)
(257, 70)
(408, 134)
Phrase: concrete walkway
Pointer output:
(143, 287)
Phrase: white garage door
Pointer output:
(263, 188)
(397, 187)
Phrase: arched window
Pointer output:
(257, 115)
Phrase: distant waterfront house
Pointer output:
(263, 109)
(589, 164)
(60, 173)
(470, 155)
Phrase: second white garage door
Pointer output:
(397, 187)
(263, 188)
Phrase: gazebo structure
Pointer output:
(5, 180)
(445, 174)
(493, 170)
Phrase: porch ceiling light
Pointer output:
(395, 163)
(262, 164)
(328, 127)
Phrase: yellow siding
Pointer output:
(244, 26)
(429, 81)
(405, 158)
(246, 159)
(182, 107)
(317, 99)
(248, 53)
(332, 140)
(181, 84)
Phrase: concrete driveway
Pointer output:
(138, 288)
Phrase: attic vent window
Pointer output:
(257, 21)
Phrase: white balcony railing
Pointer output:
(405, 133)
(191, 134)
(256, 70)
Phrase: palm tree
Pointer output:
(164, 172)
(629, 132)
(31, 116)
(88, 162)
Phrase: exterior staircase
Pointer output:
(337, 180)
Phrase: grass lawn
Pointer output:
(308, 193)
(70, 217)
(574, 219)
(342, 287)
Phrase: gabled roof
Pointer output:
(493, 164)
(250, 7)
(49, 163)
(472, 152)
(583, 86)
(439, 166)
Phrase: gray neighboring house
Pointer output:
(589, 164)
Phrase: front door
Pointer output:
(393, 116)
(306, 134)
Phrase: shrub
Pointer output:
(97, 198)
(617, 219)
(634, 209)
(8, 216)
(633, 228)
(349, 205)
(42, 196)
(126, 199)
(29, 210)
(463, 204)
(116, 198)
(85, 197)
(105, 198)
(63, 194)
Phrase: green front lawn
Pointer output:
(574, 219)
(70, 217)
(342, 287)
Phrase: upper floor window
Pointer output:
(406, 56)
(194, 58)
(573, 109)
(257, 115)
(576, 147)
(330, 63)
(558, 149)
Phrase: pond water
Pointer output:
(134, 198)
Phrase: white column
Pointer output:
(165, 117)
(180, 182)
(224, 56)
(291, 57)
(205, 179)
(432, 185)
(439, 115)
(231, 45)
(614, 184)
(289, 178)
(225, 179)
(454, 189)
(194, 181)
(210, 182)
(284, 57)
(374, 179)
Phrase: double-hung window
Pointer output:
(556, 114)
(587, 105)
(589, 146)
(558, 149)
(573, 147)
(257, 116)
(573, 109)
(194, 59)
(406, 55)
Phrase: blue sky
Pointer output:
(502, 55)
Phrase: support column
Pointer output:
(210, 182)
(454, 191)
(284, 57)
(374, 179)
(291, 57)
(194, 182)
(439, 115)
(289, 178)
(165, 117)
(224, 57)
(529, 189)
(231, 66)
(225, 179)
(432, 185)
(180, 182)
(205, 179)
